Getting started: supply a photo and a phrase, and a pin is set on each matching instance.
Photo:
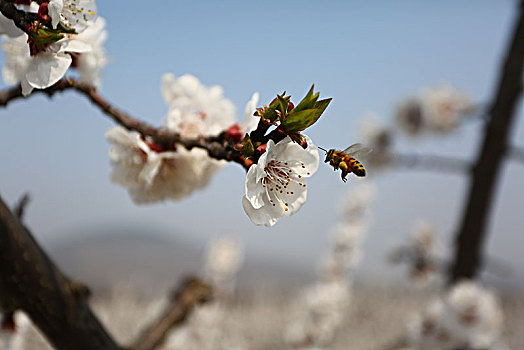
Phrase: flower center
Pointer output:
(279, 176)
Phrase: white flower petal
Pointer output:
(250, 122)
(55, 8)
(253, 190)
(26, 87)
(47, 68)
(275, 186)
(9, 28)
(150, 169)
(258, 216)
(72, 45)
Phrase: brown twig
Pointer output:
(20, 18)
(218, 147)
(21, 206)
(190, 293)
(432, 162)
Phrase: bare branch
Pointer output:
(31, 282)
(432, 163)
(22, 205)
(190, 293)
(487, 168)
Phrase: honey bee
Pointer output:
(345, 160)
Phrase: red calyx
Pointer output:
(234, 133)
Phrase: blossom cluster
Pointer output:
(275, 185)
(205, 329)
(152, 174)
(40, 57)
(420, 255)
(437, 109)
(467, 316)
(323, 305)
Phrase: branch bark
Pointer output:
(218, 147)
(31, 282)
(432, 163)
(190, 293)
(483, 179)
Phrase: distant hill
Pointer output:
(151, 260)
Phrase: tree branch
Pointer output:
(31, 282)
(21, 206)
(432, 163)
(218, 147)
(190, 293)
(483, 179)
(20, 18)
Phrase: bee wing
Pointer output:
(357, 150)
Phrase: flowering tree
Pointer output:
(57, 45)
(44, 40)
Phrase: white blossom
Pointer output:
(89, 64)
(152, 176)
(41, 70)
(250, 122)
(224, 258)
(409, 116)
(468, 316)
(74, 14)
(443, 106)
(379, 137)
(276, 185)
(473, 314)
(194, 109)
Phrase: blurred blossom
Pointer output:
(443, 106)
(316, 325)
(194, 109)
(276, 186)
(323, 306)
(89, 64)
(151, 176)
(205, 329)
(13, 336)
(437, 109)
(467, 316)
(250, 122)
(346, 242)
(427, 332)
(380, 138)
(225, 256)
(409, 116)
(356, 203)
(420, 255)
(474, 314)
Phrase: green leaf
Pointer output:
(303, 119)
(247, 147)
(308, 101)
(298, 121)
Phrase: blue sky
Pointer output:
(367, 55)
